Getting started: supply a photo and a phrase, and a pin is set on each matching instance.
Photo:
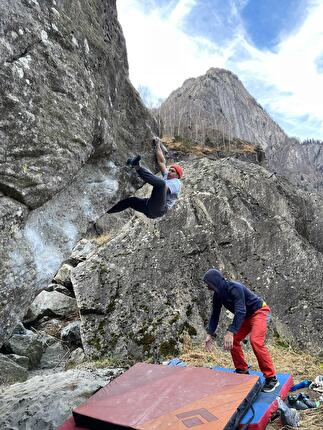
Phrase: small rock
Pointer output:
(53, 356)
(77, 357)
(51, 303)
(45, 401)
(26, 345)
(21, 360)
(11, 372)
(63, 276)
(71, 334)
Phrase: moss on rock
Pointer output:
(168, 348)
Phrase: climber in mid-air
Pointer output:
(165, 190)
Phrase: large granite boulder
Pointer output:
(45, 402)
(69, 118)
(141, 294)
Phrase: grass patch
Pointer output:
(312, 419)
(102, 239)
(230, 147)
(109, 360)
(286, 360)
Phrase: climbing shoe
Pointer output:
(270, 384)
(243, 372)
(133, 161)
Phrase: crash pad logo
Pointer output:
(196, 417)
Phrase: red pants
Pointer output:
(256, 325)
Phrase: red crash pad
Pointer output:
(151, 397)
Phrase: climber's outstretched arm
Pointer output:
(160, 158)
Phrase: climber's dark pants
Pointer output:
(155, 206)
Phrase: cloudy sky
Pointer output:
(274, 46)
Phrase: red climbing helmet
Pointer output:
(178, 169)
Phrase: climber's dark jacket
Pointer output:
(235, 297)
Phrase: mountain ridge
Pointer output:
(217, 102)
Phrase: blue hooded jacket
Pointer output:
(235, 297)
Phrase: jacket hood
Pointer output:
(215, 280)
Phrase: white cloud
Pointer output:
(161, 56)
(286, 82)
(181, 10)
(291, 73)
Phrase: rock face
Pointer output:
(141, 294)
(215, 105)
(305, 163)
(69, 117)
(45, 402)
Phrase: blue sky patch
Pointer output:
(212, 19)
(319, 64)
(163, 5)
(266, 21)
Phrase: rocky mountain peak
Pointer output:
(217, 103)
(218, 71)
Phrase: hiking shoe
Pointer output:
(133, 161)
(296, 403)
(307, 401)
(270, 384)
(242, 372)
